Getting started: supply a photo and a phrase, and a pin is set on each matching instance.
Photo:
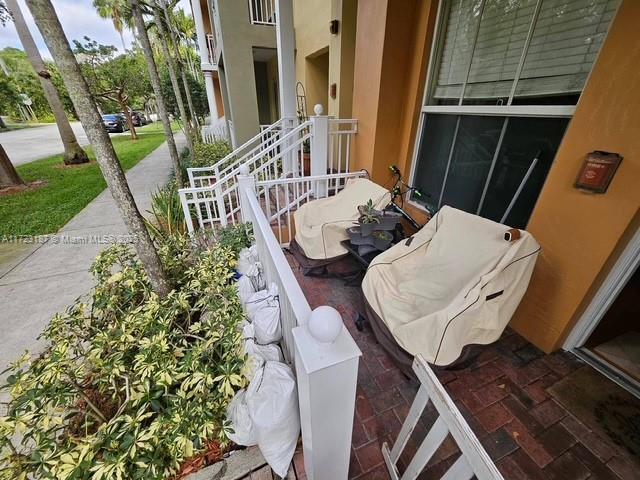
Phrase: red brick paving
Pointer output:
(502, 395)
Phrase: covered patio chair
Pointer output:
(454, 284)
(321, 224)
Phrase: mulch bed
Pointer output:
(27, 187)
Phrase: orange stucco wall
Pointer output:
(579, 232)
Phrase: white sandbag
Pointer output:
(246, 259)
(244, 432)
(263, 309)
(245, 288)
(272, 400)
(268, 353)
(254, 272)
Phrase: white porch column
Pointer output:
(211, 95)
(286, 59)
(286, 76)
(196, 8)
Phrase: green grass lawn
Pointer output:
(68, 189)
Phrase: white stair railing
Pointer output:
(218, 203)
(326, 373)
(474, 462)
(206, 176)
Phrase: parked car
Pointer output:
(115, 123)
(137, 118)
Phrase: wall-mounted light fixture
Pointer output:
(597, 171)
(334, 27)
(333, 90)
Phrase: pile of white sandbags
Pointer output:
(266, 412)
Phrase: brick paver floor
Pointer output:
(502, 395)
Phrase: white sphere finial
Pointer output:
(325, 324)
(317, 109)
(244, 169)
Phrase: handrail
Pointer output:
(313, 178)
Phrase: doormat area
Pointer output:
(603, 406)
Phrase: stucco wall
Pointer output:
(239, 37)
(313, 40)
(578, 231)
(580, 234)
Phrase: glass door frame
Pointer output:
(509, 110)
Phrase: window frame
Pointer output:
(507, 111)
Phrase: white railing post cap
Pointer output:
(244, 169)
(318, 109)
(325, 324)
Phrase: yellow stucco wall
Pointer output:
(580, 234)
(323, 58)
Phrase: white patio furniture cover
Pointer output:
(458, 282)
(321, 224)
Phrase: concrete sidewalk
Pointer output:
(47, 278)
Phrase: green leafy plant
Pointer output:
(368, 214)
(168, 215)
(206, 154)
(132, 385)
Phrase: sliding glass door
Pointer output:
(506, 76)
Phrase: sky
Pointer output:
(78, 18)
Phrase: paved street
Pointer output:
(29, 144)
(43, 280)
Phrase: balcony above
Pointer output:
(262, 12)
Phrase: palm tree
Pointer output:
(116, 11)
(164, 39)
(143, 37)
(47, 21)
(174, 40)
(73, 152)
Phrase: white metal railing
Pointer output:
(282, 197)
(341, 134)
(218, 130)
(262, 12)
(211, 48)
(218, 203)
(206, 176)
(326, 373)
(474, 462)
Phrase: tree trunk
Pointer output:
(143, 37)
(47, 21)
(8, 175)
(127, 115)
(176, 49)
(164, 38)
(73, 152)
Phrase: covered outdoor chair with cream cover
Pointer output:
(321, 224)
(453, 284)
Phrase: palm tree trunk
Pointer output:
(8, 175)
(47, 21)
(164, 38)
(157, 90)
(176, 49)
(73, 152)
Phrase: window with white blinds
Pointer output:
(495, 51)
(504, 81)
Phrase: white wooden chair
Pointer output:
(473, 460)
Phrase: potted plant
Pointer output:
(382, 239)
(388, 220)
(356, 237)
(369, 217)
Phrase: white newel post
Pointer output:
(320, 150)
(245, 181)
(327, 370)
